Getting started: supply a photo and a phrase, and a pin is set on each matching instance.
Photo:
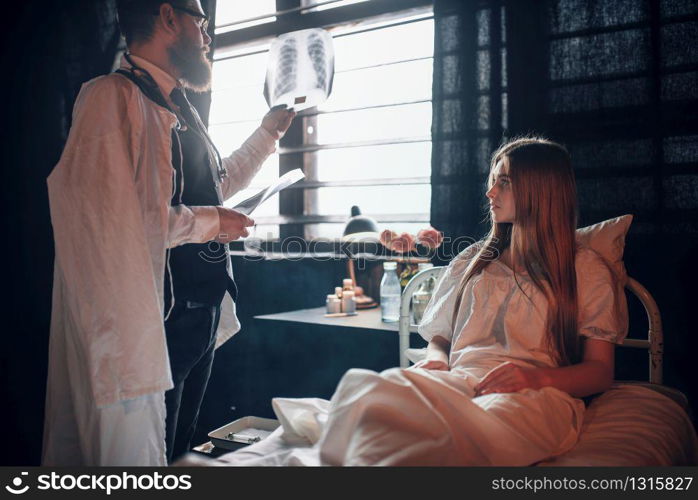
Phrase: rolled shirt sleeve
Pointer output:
(199, 224)
(243, 164)
(189, 224)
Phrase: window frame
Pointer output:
(292, 16)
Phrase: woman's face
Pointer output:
(500, 195)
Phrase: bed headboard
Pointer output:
(655, 337)
(653, 343)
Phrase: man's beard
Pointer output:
(194, 68)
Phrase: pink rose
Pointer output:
(401, 243)
(386, 238)
(430, 237)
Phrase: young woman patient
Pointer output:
(520, 326)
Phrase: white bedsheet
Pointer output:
(629, 425)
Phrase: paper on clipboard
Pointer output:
(250, 204)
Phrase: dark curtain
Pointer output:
(616, 81)
(49, 48)
(469, 112)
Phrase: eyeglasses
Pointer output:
(203, 23)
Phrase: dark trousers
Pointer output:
(191, 338)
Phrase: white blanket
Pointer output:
(417, 417)
(629, 425)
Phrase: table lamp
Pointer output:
(360, 229)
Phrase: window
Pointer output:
(317, 5)
(369, 144)
(237, 107)
(235, 15)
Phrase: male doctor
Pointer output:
(138, 177)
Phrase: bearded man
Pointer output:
(142, 272)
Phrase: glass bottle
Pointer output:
(423, 294)
(390, 293)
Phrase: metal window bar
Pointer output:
(380, 26)
(406, 181)
(318, 147)
(336, 219)
(278, 13)
(342, 110)
(374, 9)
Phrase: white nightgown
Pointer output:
(423, 417)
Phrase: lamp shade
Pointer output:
(360, 227)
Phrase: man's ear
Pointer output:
(168, 20)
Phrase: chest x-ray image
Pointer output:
(300, 69)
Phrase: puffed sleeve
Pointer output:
(602, 313)
(438, 316)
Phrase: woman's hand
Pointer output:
(437, 355)
(431, 364)
(509, 377)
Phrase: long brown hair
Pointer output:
(542, 237)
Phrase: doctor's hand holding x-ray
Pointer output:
(277, 121)
(233, 224)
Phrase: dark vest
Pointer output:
(199, 271)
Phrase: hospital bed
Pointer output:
(631, 424)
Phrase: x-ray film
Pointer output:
(300, 69)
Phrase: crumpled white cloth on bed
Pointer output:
(418, 417)
(629, 425)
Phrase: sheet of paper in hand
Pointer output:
(247, 206)
(300, 69)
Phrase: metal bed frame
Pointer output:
(654, 341)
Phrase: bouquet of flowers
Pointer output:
(406, 242)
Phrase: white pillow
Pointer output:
(607, 238)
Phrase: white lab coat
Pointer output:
(112, 220)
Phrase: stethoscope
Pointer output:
(150, 81)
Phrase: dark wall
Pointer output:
(31, 145)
